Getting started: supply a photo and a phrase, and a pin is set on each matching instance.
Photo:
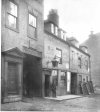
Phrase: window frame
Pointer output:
(29, 25)
(56, 30)
(34, 17)
(8, 13)
(60, 62)
(52, 28)
(79, 62)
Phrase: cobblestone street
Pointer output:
(83, 104)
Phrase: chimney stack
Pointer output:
(53, 17)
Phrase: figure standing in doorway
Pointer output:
(84, 88)
(53, 87)
(80, 87)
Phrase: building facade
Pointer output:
(22, 48)
(73, 62)
(93, 45)
(79, 67)
(56, 57)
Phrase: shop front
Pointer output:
(56, 82)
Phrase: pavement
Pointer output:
(90, 103)
(65, 97)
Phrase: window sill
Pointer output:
(16, 30)
(32, 38)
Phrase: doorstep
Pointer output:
(65, 97)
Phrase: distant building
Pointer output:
(93, 45)
(22, 48)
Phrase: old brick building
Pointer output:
(56, 51)
(36, 54)
(93, 45)
(73, 62)
(79, 65)
(22, 48)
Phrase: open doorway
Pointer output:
(47, 85)
(32, 76)
(73, 83)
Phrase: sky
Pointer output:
(76, 17)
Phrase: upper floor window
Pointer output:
(62, 35)
(32, 20)
(73, 56)
(79, 62)
(86, 64)
(12, 15)
(56, 30)
(32, 29)
(52, 28)
(65, 36)
(59, 55)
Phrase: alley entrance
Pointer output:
(32, 76)
(73, 83)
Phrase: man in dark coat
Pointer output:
(53, 87)
(80, 88)
(84, 88)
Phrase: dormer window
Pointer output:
(62, 34)
(65, 36)
(52, 28)
(56, 30)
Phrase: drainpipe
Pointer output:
(90, 68)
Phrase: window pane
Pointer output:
(13, 9)
(32, 20)
(58, 53)
(52, 28)
(62, 34)
(11, 21)
(56, 30)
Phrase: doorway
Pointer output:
(32, 76)
(73, 83)
(47, 85)
(12, 83)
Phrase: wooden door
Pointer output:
(47, 85)
(73, 83)
(12, 79)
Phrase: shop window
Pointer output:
(12, 15)
(32, 26)
(80, 78)
(63, 79)
(59, 55)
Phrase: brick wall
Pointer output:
(50, 45)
